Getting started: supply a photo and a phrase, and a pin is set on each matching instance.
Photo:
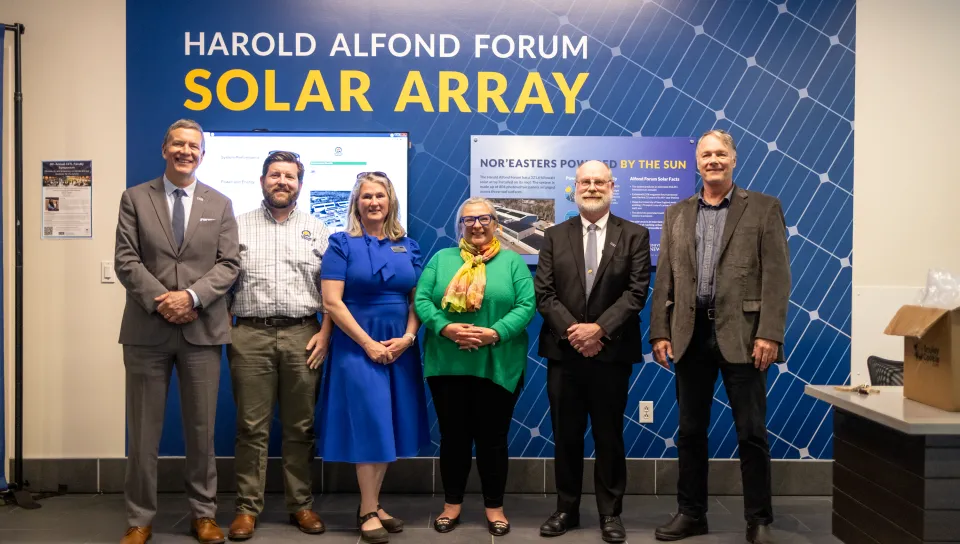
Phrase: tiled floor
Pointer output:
(100, 518)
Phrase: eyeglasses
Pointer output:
(381, 174)
(598, 183)
(272, 153)
(471, 220)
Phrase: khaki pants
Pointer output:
(268, 364)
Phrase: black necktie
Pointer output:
(178, 222)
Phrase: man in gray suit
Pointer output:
(720, 306)
(177, 254)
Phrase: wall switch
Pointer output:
(646, 411)
(106, 272)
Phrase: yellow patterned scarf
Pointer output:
(465, 291)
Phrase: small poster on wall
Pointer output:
(67, 199)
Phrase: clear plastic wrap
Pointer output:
(942, 290)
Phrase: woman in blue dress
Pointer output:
(373, 403)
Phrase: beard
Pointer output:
(593, 206)
(281, 199)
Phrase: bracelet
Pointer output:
(413, 337)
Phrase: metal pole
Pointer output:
(21, 496)
(18, 297)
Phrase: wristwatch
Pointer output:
(496, 336)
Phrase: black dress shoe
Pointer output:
(611, 529)
(558, 523)
(445, 524)
(759, 534)
(498, 528)
(682, 526)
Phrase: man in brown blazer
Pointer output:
(177, 254)
(720, 306)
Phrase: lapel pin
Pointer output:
(200, 198)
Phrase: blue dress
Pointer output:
(372, 413)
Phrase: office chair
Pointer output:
(884, 371)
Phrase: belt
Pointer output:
(277, 321)
(708, 313)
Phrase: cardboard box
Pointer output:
(931, 345)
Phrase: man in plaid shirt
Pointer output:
(278, 344)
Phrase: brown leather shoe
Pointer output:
(243, 527)
(308, 521)
(136, 535)
(207, 531)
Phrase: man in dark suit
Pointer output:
(720, 306)
(591, 284)
(177, 254)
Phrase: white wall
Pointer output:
(74, 106)
(906, 218)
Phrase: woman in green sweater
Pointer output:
(476, 302)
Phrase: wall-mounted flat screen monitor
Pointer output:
(332, 161)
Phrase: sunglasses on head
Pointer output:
(381, 174)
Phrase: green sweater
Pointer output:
(509, 305)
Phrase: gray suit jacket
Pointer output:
(752, 277)
(149, 264)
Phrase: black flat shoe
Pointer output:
(498, 528)
(445, 524)
(392, 525)
(681, 527)
(373, 536)
(558, 523)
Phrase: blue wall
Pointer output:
(780, 78)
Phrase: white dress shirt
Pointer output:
(601, 235)
(168, 189)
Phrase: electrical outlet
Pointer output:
(646, 411)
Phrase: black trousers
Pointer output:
(578, 388)
(696, 377)
(473, 410)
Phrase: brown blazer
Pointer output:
(148, 263)
(752, 277)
